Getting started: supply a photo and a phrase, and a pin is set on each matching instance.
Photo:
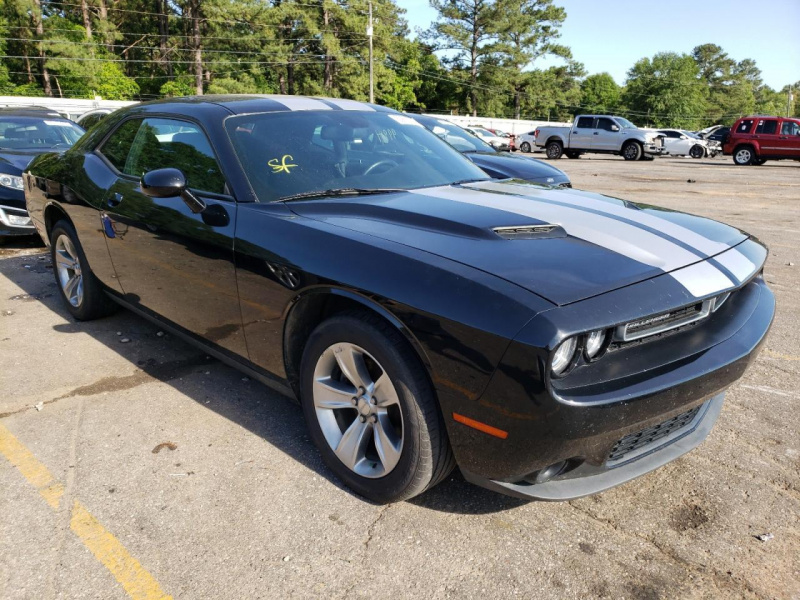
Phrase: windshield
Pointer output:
(461, 140)
(34, 133)
(625, 124)
(482, 131)
(288, 153)
(690, 134)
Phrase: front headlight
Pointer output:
(594, 343)
(11, 181)
(562, 358)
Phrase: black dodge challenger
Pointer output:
(551, 343)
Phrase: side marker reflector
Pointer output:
(494, 431)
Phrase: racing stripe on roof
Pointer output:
(349, 104)
(303, 103)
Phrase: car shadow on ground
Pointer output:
(161, 357)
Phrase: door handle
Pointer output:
(596, 133)
(784, 137)
(114, 200)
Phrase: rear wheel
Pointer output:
(82, 292)
(371, 410)
(554, 150)
(743, 155)
(697, 151)
(525, 147)
(632, 151)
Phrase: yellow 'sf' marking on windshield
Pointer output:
(283, 167)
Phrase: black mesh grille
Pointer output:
(634, 441)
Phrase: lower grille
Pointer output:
(645, 437)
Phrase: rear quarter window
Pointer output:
(745, 126)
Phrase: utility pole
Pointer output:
(789, 102)
(369, 35)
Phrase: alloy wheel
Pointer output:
(358, 410)
(743, 156)
(68, 266)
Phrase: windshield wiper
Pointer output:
(334, 193)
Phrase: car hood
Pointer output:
(18, 159)
(506, 165)
(596, 244)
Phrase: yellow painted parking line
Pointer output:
(773, 354)
(128, 571)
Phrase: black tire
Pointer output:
(697, 151)
(573, 154)
(94, 303)
(743, 155)
(554, 150)
(525, 147)
(632, 151)
(426, 457)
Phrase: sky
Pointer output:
(612, 35)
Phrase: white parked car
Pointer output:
(678, 142)
(526, 142)
(495, 141)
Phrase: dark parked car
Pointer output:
(24, 134)
(551, 343)
(499, 165)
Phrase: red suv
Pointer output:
(754, 140)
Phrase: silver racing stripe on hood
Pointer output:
(675, 231)
(702, 279)
(605, 231)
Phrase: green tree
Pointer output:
(665, 91)
(600, 94)
(526, 30)
(465, 27)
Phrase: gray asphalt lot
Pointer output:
(199, 483)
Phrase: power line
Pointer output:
(241, 38)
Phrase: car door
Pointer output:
(788, 141)
(169, 260)
(581, 135)
(767, 135)
(606, 135)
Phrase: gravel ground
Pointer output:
(237, 504)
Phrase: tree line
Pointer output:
(479, 57)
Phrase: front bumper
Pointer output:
(587, 480)
(654, 149)
(580, 422)
(14, 218)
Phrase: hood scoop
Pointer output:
(530, 232)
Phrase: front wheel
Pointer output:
(697, 151)
(554, 150)
(82, 292)
(525, 147)
(632, 151)
(371, 410)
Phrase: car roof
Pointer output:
(259, 103)
(29, 111)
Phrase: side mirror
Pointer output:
(168, 183)
(615, 128)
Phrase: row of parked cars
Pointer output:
(549, 342)
(751, 141)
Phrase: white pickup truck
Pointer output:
(599, 133)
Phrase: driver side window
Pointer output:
(605, 124)
(142, 145)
